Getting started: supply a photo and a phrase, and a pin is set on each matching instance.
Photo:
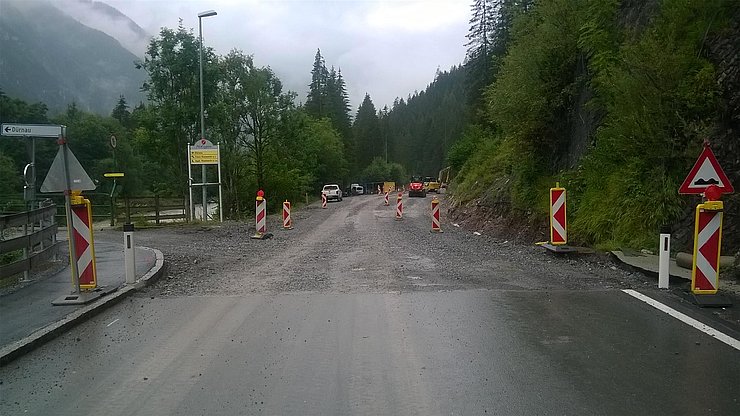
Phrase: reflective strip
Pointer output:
(707, 266)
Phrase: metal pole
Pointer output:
(202, 120)
(190, 186)
(220, 195)
(68, 206)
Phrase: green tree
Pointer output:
(366, 133)
(121, 112)
(172, 64)
(317, 102)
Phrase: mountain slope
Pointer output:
(45, 55)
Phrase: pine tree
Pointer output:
(316, 102)
(121, 112)
(367, 135)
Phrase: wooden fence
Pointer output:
(32, 232)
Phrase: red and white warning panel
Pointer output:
(707, 243)
(558, 215)
(84, 245)
(287, 221)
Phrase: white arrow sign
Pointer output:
(31, 130)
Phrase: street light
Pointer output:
(201, 15)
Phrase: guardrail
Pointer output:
(151, 208)
(32, 232)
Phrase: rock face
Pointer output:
(725, 54)
(493, 209)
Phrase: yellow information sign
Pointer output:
(203, 156)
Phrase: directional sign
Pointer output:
(114, 175)
(31, 130)
(706, 172)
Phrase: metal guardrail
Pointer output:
(38, 245)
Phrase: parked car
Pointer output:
(356, 189)
(332, 191)
(416, 187)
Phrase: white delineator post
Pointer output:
(129, 254)
(664, 262)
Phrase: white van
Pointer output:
(356, 189)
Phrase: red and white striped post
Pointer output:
(386, 198)
(287, 221)
(323, 200)
(83, 235)
(558, 218)
(707, 244)
(435, 216)
(399, 207)
(260, 214)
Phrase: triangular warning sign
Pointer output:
(706, 172)
(78, 178)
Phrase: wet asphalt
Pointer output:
(493, 336)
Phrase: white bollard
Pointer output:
(129, 254)
(664, 262)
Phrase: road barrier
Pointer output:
(558, 221)
(399, 207)
(260, 214)
(435, 216)
(323, 200)
(32, 232)
(707, 243)
(82, 232)
(386, 198)
(287, 221)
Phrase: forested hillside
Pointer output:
(46, 55)
(613, 99)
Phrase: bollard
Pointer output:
(323, 200)
(380, 191)
(129, 254)
(260, 220)
(386, 198)
(287, 221)
(399, 207)
(665, 257)
(435, 216)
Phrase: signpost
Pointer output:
(30, 131)
(203, 153)
(708, 179)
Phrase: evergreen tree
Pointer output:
(121, 112)
(367, 137)
(316, 102)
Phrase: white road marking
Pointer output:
(720, 336)
(113, 322)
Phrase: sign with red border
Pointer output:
(706, 172)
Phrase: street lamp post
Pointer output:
(201, 15)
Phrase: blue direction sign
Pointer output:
(31, 130)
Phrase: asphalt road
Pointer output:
(356, 313)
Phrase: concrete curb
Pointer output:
(16, 349)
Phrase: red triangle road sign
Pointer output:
(706, 172)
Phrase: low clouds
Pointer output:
(387, 48)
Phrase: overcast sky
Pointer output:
(387, 48)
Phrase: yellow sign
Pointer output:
(203, 156)
(113, 175)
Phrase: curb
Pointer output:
(16, 349)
